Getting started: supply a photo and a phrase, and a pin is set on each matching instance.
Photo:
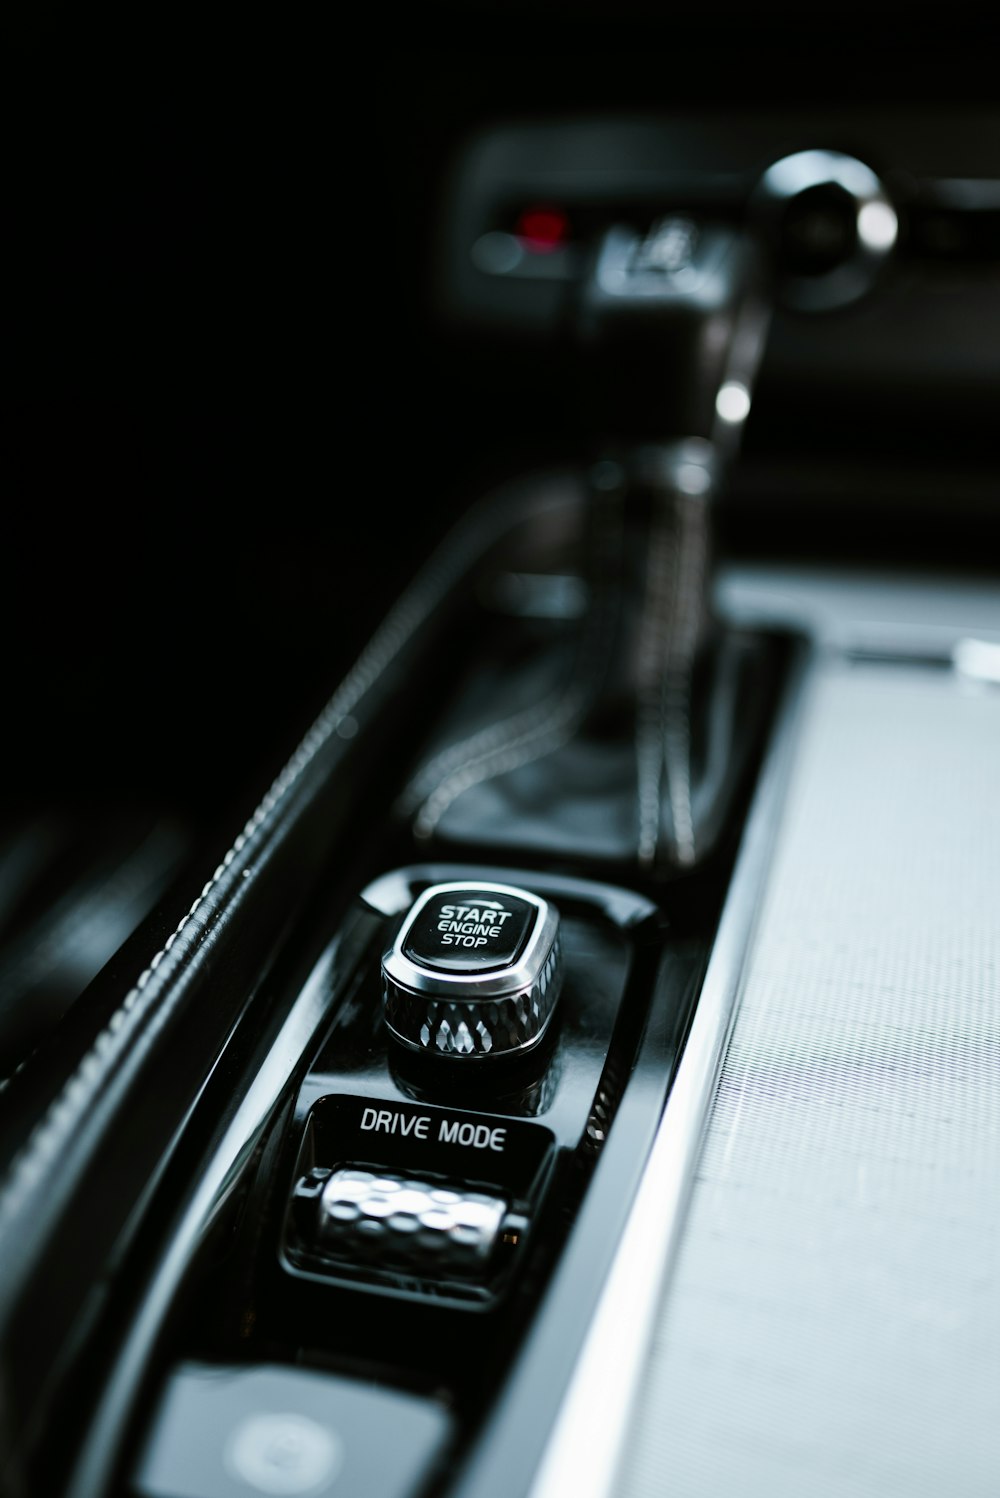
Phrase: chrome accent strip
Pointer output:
(584, 1448)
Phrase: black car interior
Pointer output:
(435, 520)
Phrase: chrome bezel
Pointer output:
(845, 282)
(457, 988)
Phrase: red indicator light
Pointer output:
(542, 230)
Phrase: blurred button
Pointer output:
(288, 1433)
(284, 1453)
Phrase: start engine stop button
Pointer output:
(475, 970)
(470, 930)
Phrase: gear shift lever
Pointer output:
(634, 760)
(622, 766)
(674, 323)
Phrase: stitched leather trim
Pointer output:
(158, 986)
(543, 727)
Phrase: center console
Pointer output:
(372, 1178)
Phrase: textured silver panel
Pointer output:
(832, 1326)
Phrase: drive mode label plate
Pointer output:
(417, 1136)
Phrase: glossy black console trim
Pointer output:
(80, 1188)
(255, 1123)
(248, 1127)
(504, 1457)
(391, 893)
(544, 1103)
(91, 1203)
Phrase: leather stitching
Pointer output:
(68, 1109)
(534, 732)
(556, 725)
(688, 593)
(668, 644)
(653, 632)
(476, 747)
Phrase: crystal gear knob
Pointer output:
(475, 971)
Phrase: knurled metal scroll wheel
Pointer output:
(474, 972)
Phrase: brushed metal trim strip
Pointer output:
(583, 1451)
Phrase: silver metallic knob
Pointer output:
(396, 1221)
(474, 971)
